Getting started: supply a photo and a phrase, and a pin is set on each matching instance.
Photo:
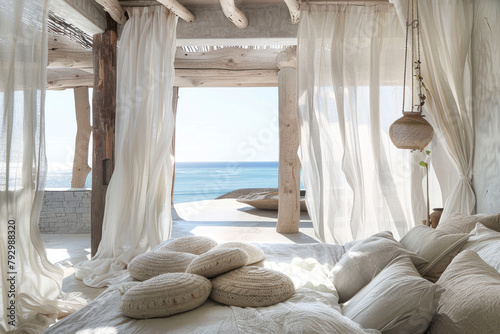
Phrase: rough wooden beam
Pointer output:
(294, 8)
(178, 9)
(229, 59)
(104, 110)
(289, 163)
(114, 9)
(81, 168)
(84, 14)
(68, 78)
(70, 59)
(268, 25)
(225, 78)
(234, 14)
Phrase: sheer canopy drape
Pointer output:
(137, 215)
(30, 288)
(446, 30)
(350, 78)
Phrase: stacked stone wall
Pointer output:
(65, 211)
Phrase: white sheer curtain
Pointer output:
(350, 78)
(30, 288)
(445, 33)
(137, 216)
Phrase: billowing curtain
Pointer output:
(30, 288)
(350, 79)
(137, 215)
(445, 35)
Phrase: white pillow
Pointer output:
(437, 247)
(165, 295)
(255, 254)
(218, 261)
(398, 300)
(486, 243)
(470, 302)
(365, 260)
(191, 244)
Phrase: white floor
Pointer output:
(222, 220)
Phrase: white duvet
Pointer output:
(313, 308)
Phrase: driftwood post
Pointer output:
(81, 167)
(104, 109)
(289, 164)
(175, 97)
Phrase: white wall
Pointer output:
(486, 104)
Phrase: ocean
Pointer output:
(198, 181)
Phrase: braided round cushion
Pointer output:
(252, 286)
(165, 295)
(216, 262)
(255, 254)
(191, 244)
(151, 264)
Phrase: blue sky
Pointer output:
(213, 124)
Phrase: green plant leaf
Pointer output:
(428, 152)
(423, 164)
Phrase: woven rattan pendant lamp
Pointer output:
(412, 131)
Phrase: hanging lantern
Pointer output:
(412, 131)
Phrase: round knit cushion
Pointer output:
(151, 264)
(191, 244)
(255, 254)
(216, 262)
(165, 295)
(252, 287)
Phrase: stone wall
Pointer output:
(65, 211)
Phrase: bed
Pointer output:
(315, 307)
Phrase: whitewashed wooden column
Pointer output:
(81, 168)
(289, 163)
(175, 98)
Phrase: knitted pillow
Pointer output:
(191, 244)
(216, 262)
(252, 286)
(165, 295)
(255, 254)
(151, 264)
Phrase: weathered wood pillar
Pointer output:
(289, 163)
(175, 98)
(104, 109)
(81, 168)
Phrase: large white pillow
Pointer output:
(365, 260)
(470, 302)
(396, 301)
(464, 223)
(437, 247)
(486, 243)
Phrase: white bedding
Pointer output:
(313, 309)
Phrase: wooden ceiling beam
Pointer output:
(84, 14)
(114, 9)
(234, 14)
(267, 25)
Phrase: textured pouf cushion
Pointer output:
(191, 244)
(252, 286)
(255, 254)
(165, 295)
(218, 261)
(151, 264)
